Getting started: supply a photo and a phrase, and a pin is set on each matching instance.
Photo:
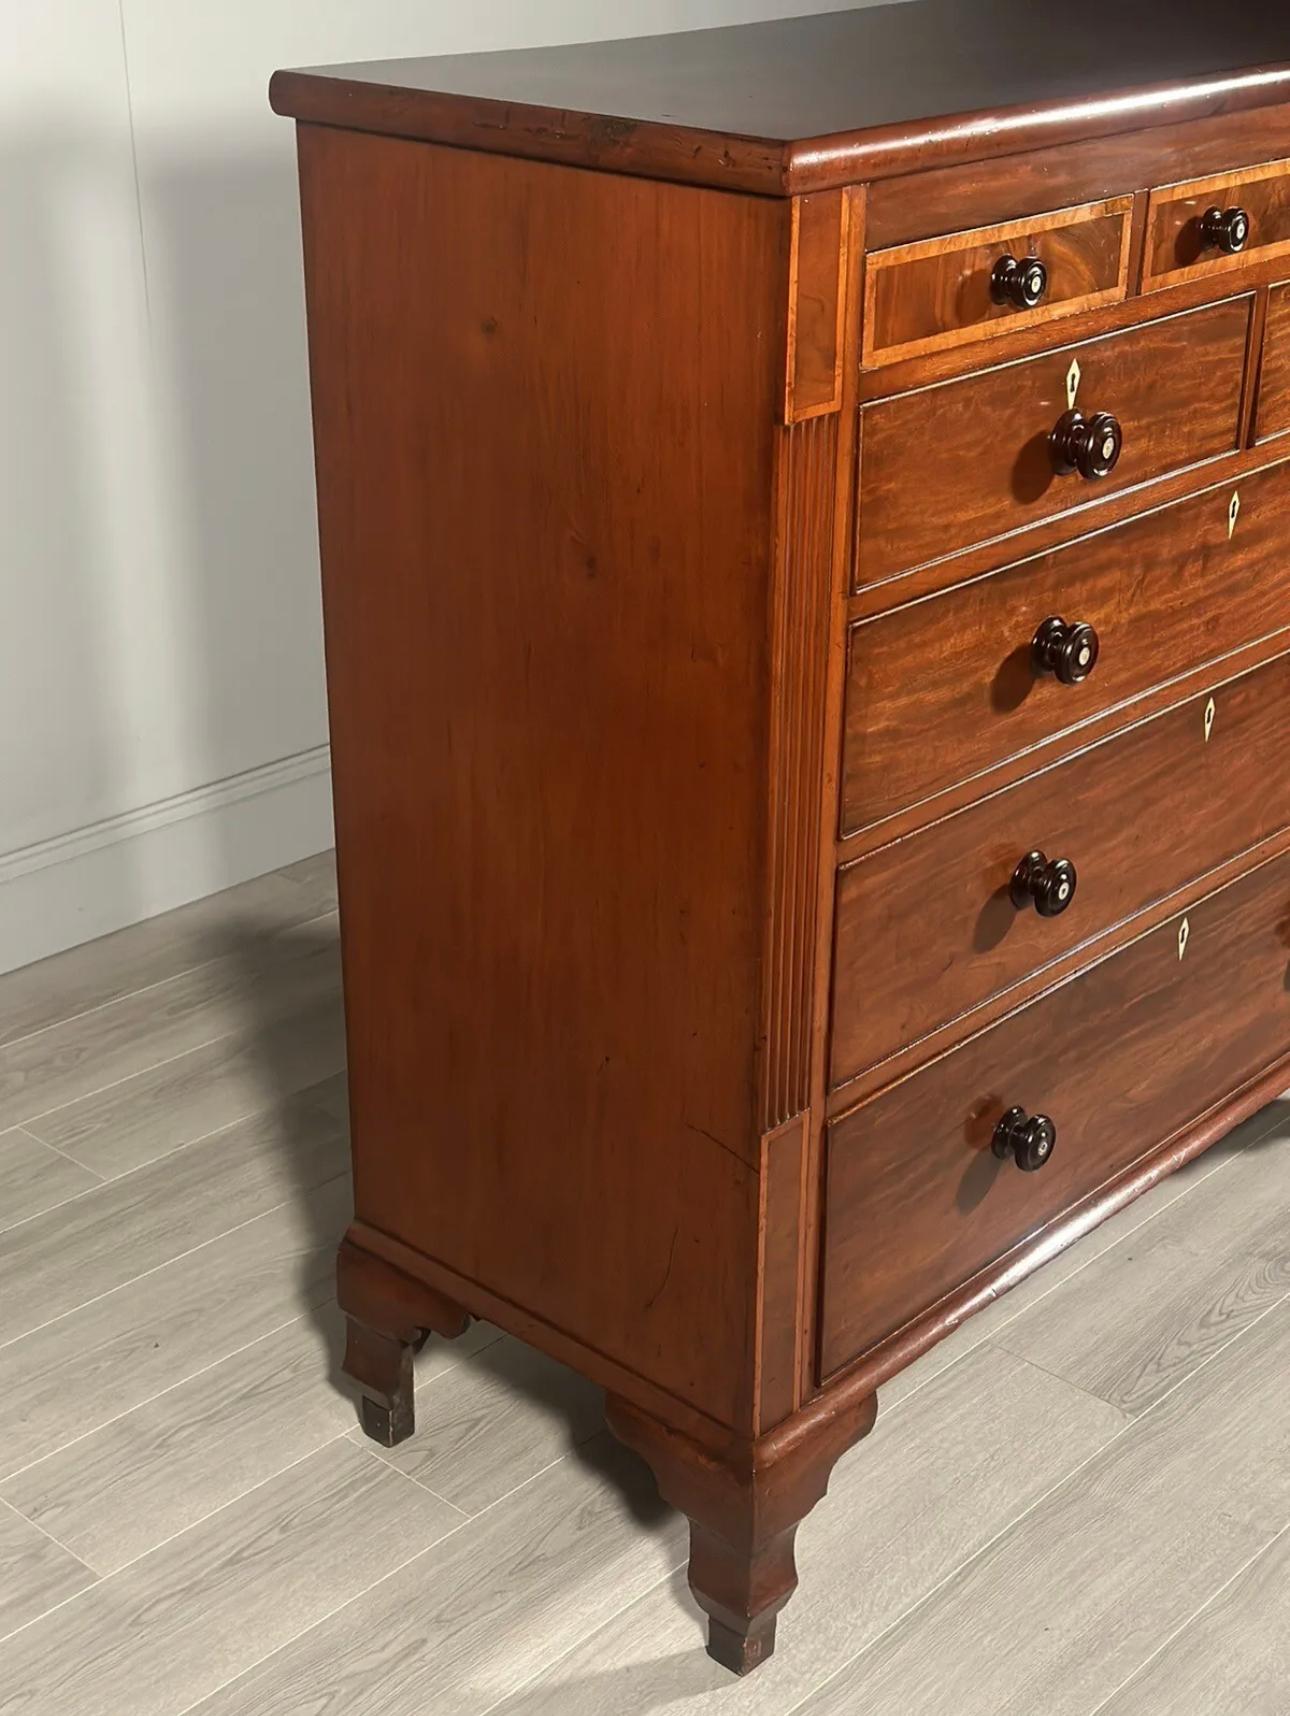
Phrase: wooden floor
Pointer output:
(1079, 1504)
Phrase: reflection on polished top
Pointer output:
(887, 70)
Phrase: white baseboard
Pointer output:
(95, 880)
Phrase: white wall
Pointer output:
(162, 723)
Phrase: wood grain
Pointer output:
(1030, 180)
(1186, 1029)
(1234, 1653)
(1273, 413)
(1200, 1276)
(975, 698)
(806, 104)
(928, 1488)
(588, 665)
(493, 1423)
(180, 1100)
(236, 925)
(36, 1573)
(83, 1053)
(1125, 1554)
(34, 1178)
(74, 1253)
(818, 261)
(115, 1352)
(1176, 247)
(456, 1628)
(1199, 772)
(937, 295)
(166, 1631)
(968, 461)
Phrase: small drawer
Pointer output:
(943, 292)
(942, 689)
(1274, 384)
(963, 463)
(955, 914)
(1119, 1059)
(1208, 226)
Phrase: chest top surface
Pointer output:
(841, 94)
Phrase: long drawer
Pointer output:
(1120, 1059)
(942, 689)
(1120, 826)
(967, 461)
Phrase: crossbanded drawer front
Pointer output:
(1119, 1059)
(947, 687)
(1273, 417)
(953, 914)
(968, 461)
(943, 292)
(1210, 226)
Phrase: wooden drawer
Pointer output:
(944, 688)
(1274, 384)
(1120, 1058)
(1178, 246)
(921, 298)
(1139, 815)
(968, 461)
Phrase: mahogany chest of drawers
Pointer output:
(804, 516)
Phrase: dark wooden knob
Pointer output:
(1021, 284)
(1028, 1139)
(1227, 230)
(1069, 653)
(1089, 445)
(1046, 884)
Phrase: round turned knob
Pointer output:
(1021, 284)
(1028, 1139)
(1068, 652)
(1048, 885)
(1089, 445)
(1227, 230)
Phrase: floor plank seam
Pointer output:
(45, 1532)
(94, 1580)
(1040, 1298)
(323, 1619)
(46, 1145)
(177, 1149)
(1068, 1477)
(178, 1257)
(149, 1400)
(365, 1447)
(607, 1620)
(33, 1120)
(1178, 1631)
(212, 1513)
(1067, 1382)
(290, 927)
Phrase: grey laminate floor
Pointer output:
(1079, 1504)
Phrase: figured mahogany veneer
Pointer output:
(925, 297)
(1274, 383)
(1139, 816)
(1120, 1058)
(1177, 247)
(970, 461)
(957, 666)
(688, 492)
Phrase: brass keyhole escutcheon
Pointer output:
(1233, 513)
(1210, 712)
(1074, 375)
(1184, 936)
